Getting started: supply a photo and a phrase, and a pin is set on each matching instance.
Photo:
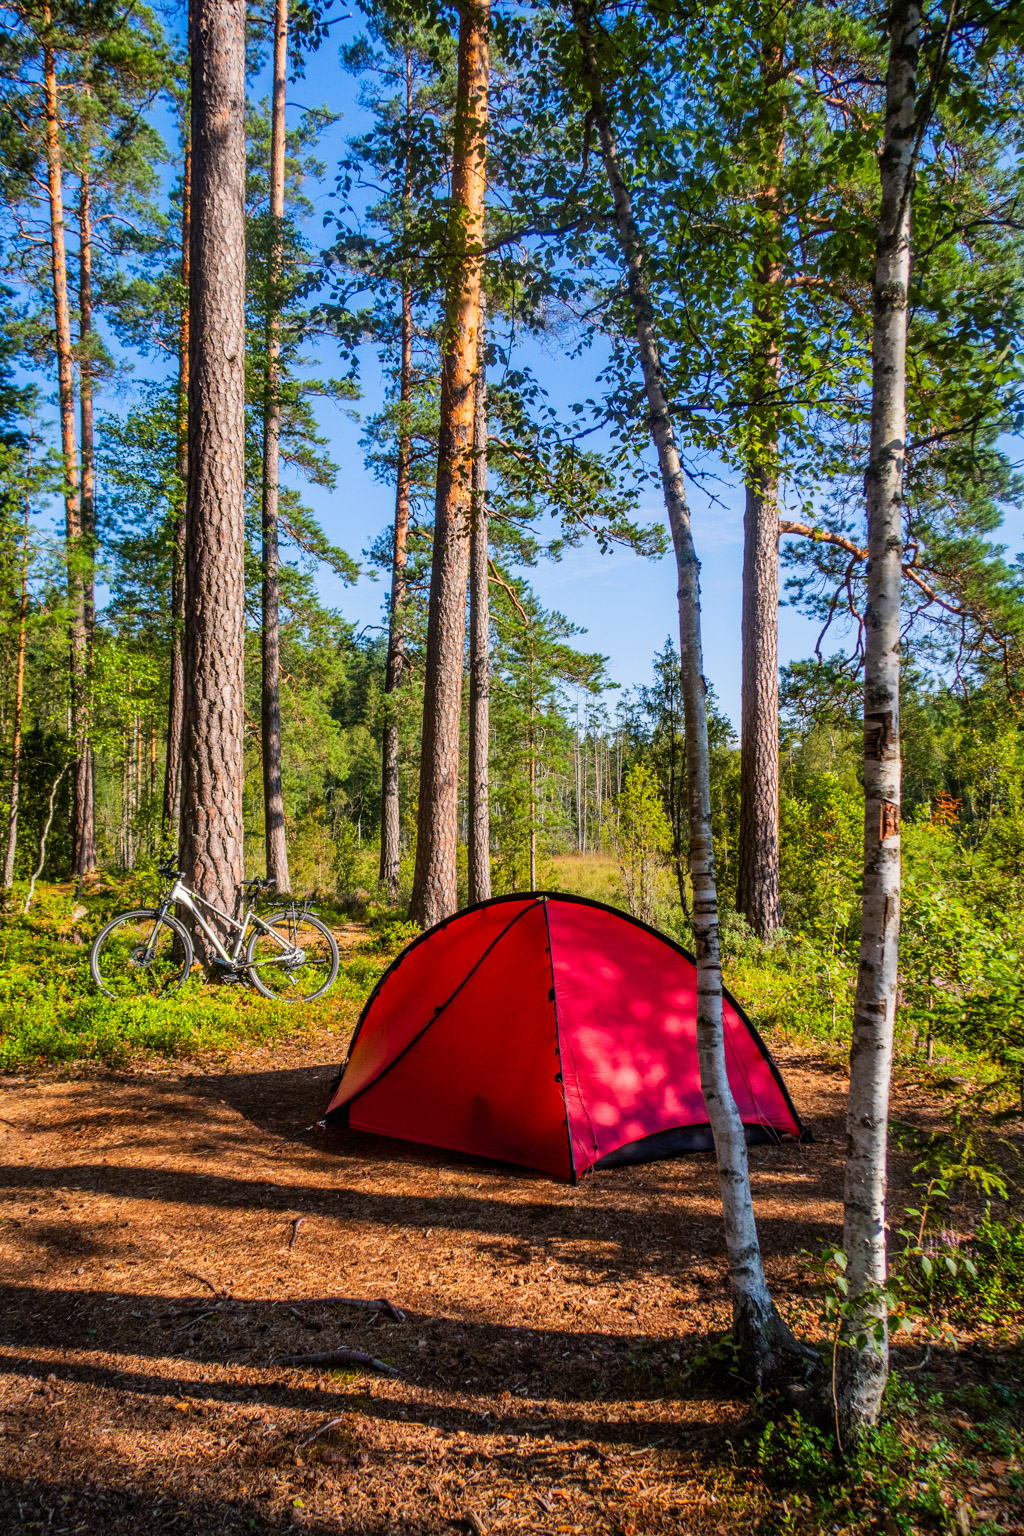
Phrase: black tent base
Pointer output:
(680, 1140)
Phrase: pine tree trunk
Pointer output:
(767, 1348)
(435, 885)
(19, 701)
(69, 455)
(273, 794)
(211, 833)
(390, 815)
(479, 649)
(176, 685)
(758, 874)
(87, 858)
(862, 1373)
(758, 855)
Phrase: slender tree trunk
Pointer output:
(273, 794)
(435, 886)
(69, 454)
(533, 781)
(19, 700)
(176, 685)
(479, 650)
(87, 858)
(390, 819)
(758, 874)
(767, 1347)
(211, 834)
(862, 1372)
(390, 809)
(758, 862)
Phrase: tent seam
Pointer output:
(437, 1011)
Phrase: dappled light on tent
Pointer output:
(550, 1031)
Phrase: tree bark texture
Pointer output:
(211, 830)
(758, 876)
(87, 857)
(176, 684)
(758, 860)
(479, 648)
(767, 1347)
(69, 455)
(273, 793)
(435, 884)
(862, 1373)
(19, 702)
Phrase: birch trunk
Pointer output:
(176, 687)
(390, 809)
(767, 1348)
(862, 1372)
(435, 884)
(479, 650)
(273, 793)
(19, 701)
(69, 453)
(211, 832)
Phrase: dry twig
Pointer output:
(342, 1357)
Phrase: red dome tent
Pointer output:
(550, 1031)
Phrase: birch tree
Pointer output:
(766, 1346)
(863, 1363)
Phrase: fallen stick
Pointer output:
(318, 1432)
(194, 1275)
(380, 1305)
(342, 1357)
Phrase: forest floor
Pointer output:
(169, 1233)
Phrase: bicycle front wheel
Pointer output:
(141, 954)
(297, 961)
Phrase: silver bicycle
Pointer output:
(291, 955)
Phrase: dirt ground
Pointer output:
(168, 1237)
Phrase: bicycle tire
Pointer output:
(289, 994)
(172, 974)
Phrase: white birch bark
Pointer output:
(766, 1345)
(862, 1372)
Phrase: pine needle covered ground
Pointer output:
(172, 1230)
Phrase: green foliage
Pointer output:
(977, 1278)
(643, 837)
(50, 1012)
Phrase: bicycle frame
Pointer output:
(180, 895)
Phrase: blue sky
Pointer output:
(625, 604)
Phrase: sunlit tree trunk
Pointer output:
(211, 832)
(176, 682)
(273, 793)
(862, 1371)
(435, 884)
(758, 854)
(766, 1346)
(19, 701)
(87, 856)
(479, 650)
(390, 808)
(69, 455)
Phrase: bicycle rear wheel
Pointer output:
(296, 963)
(141, 954)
